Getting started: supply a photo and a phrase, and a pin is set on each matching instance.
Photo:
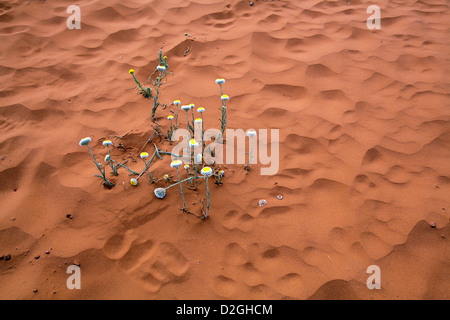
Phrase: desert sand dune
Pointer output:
(364, 127)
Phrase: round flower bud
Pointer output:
(144, 155)
(85, 141)
(134, 182)
(206, 171)
(193, 143)
(176, 164)
(160, 193)
(251, 133)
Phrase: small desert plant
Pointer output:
(206, 172)
(176, 164)
(106, 182)
(145, 91)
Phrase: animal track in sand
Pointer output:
(151, 263)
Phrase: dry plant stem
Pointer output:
(207, 195)
(181, 188)
(251, 152)
(147, 165)
(122, 165)
(106, 181)
(114, 169)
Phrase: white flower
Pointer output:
(192, 105)
(176, 164)
(251, 133)
(186, 166)
(170, 117)
(134, 182)
(144, 155)
(85, 141)
(201, 110)
(193, 143)
(186, 107)
(198, 120)
(161, 68)
(160, 193)
(206, 171)
(166, 177)
(107, 143)
(176, 102)
(107, 158)
(221, 173)
(220, 81)
(224, 97)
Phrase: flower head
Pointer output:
(107, 143)
(192, 105)
(131, 71)
(170, 117)
(186, 166)
(166, 177)
(193, 143)
(199, 158)
(224, 97)
(160, 193)
(251, 133)
(85, 141)
(198, 120)
(107, 158)
(176, 102)
(161, 68)
(206, 171)
(165, 57)
(144, 155)
(221, 173)
(220, 81)
(201, 110)
(186, 107)
(176, 164)
(134, 182)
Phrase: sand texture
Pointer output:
(364, 127)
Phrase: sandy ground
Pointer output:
(363, 118)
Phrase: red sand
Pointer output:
(364, 150)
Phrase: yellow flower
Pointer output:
(193, 143)
(165, 57)
(206, 171)
(144, 155)
(131, 71)
(166, 177)
(133, 182)
(170, 117)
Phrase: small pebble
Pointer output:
(2, 257)
(4, 157)
(47, 252)
(37, 257)
(69, 216)
(7, 257)
(433, 225)
(262, 203)
(279, 197)
(35, 290)
(251, 4)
